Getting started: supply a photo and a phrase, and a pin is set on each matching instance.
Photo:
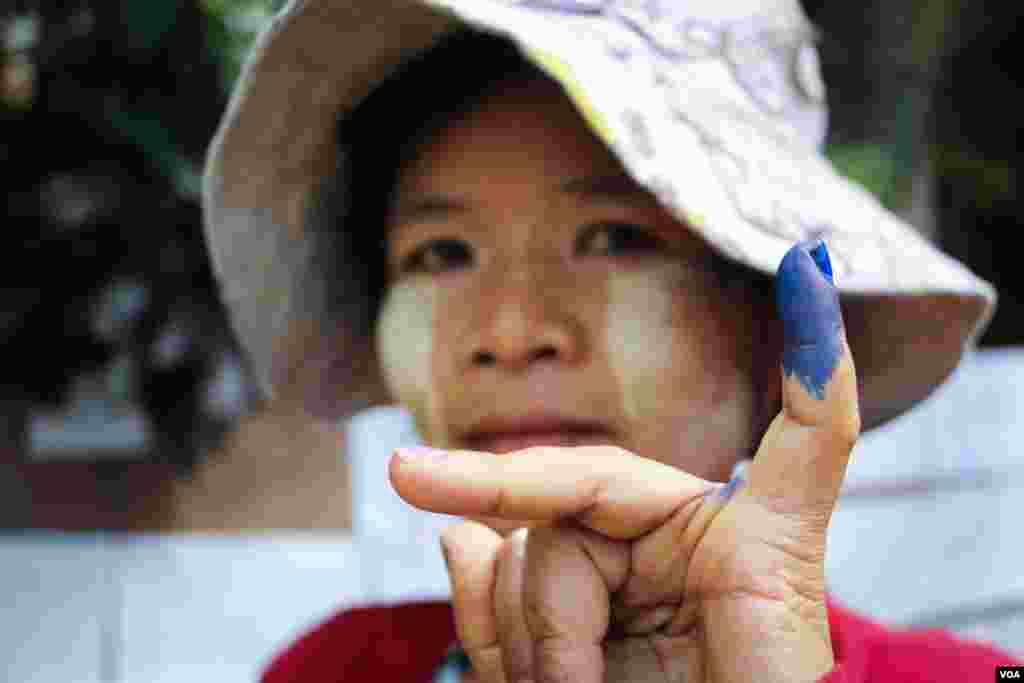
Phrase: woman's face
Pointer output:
(531, 280)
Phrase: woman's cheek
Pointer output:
(405, 345)
(680, 391)
(640, 338)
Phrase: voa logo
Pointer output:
(1010, 675)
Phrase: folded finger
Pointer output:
(513, 634)
(471, 554)
(571, 574)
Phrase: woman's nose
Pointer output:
(524, 320)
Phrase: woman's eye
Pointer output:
(618, 238)
(437, 256)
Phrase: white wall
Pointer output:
(928, 531)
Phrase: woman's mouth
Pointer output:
(506, 435)
(506, 443)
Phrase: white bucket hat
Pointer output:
(732, 87)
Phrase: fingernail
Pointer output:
(812, 321)
(820, 255)
(421, 453)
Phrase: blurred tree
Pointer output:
(233, 25)
(977, 155)
(106, 110)
(882, 61)
(924, 113)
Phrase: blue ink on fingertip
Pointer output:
(812, 322)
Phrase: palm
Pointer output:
(739, 576)
(720, 593)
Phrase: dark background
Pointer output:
(116, 349)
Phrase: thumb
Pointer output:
(800, 465)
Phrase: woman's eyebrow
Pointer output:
(617, 187)
(425, 207)
(614, 187)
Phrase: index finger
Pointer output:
(605, 488)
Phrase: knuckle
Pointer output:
(499, 503)
(451, 534)
(542, 619)
(513, 547)
(549, 541)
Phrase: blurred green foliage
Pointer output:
(151, 21)
(233, 25)
(879, 169)
(147, 129)
(990, 181)
(873, 166)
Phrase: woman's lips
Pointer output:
(508, 442)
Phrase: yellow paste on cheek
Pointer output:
(689, 402)
(640, 337)
(405, 345)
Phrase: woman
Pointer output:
(562, 266)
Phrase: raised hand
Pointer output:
(633, 570)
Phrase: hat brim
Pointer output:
(749, 187)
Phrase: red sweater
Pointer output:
(406, 643)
